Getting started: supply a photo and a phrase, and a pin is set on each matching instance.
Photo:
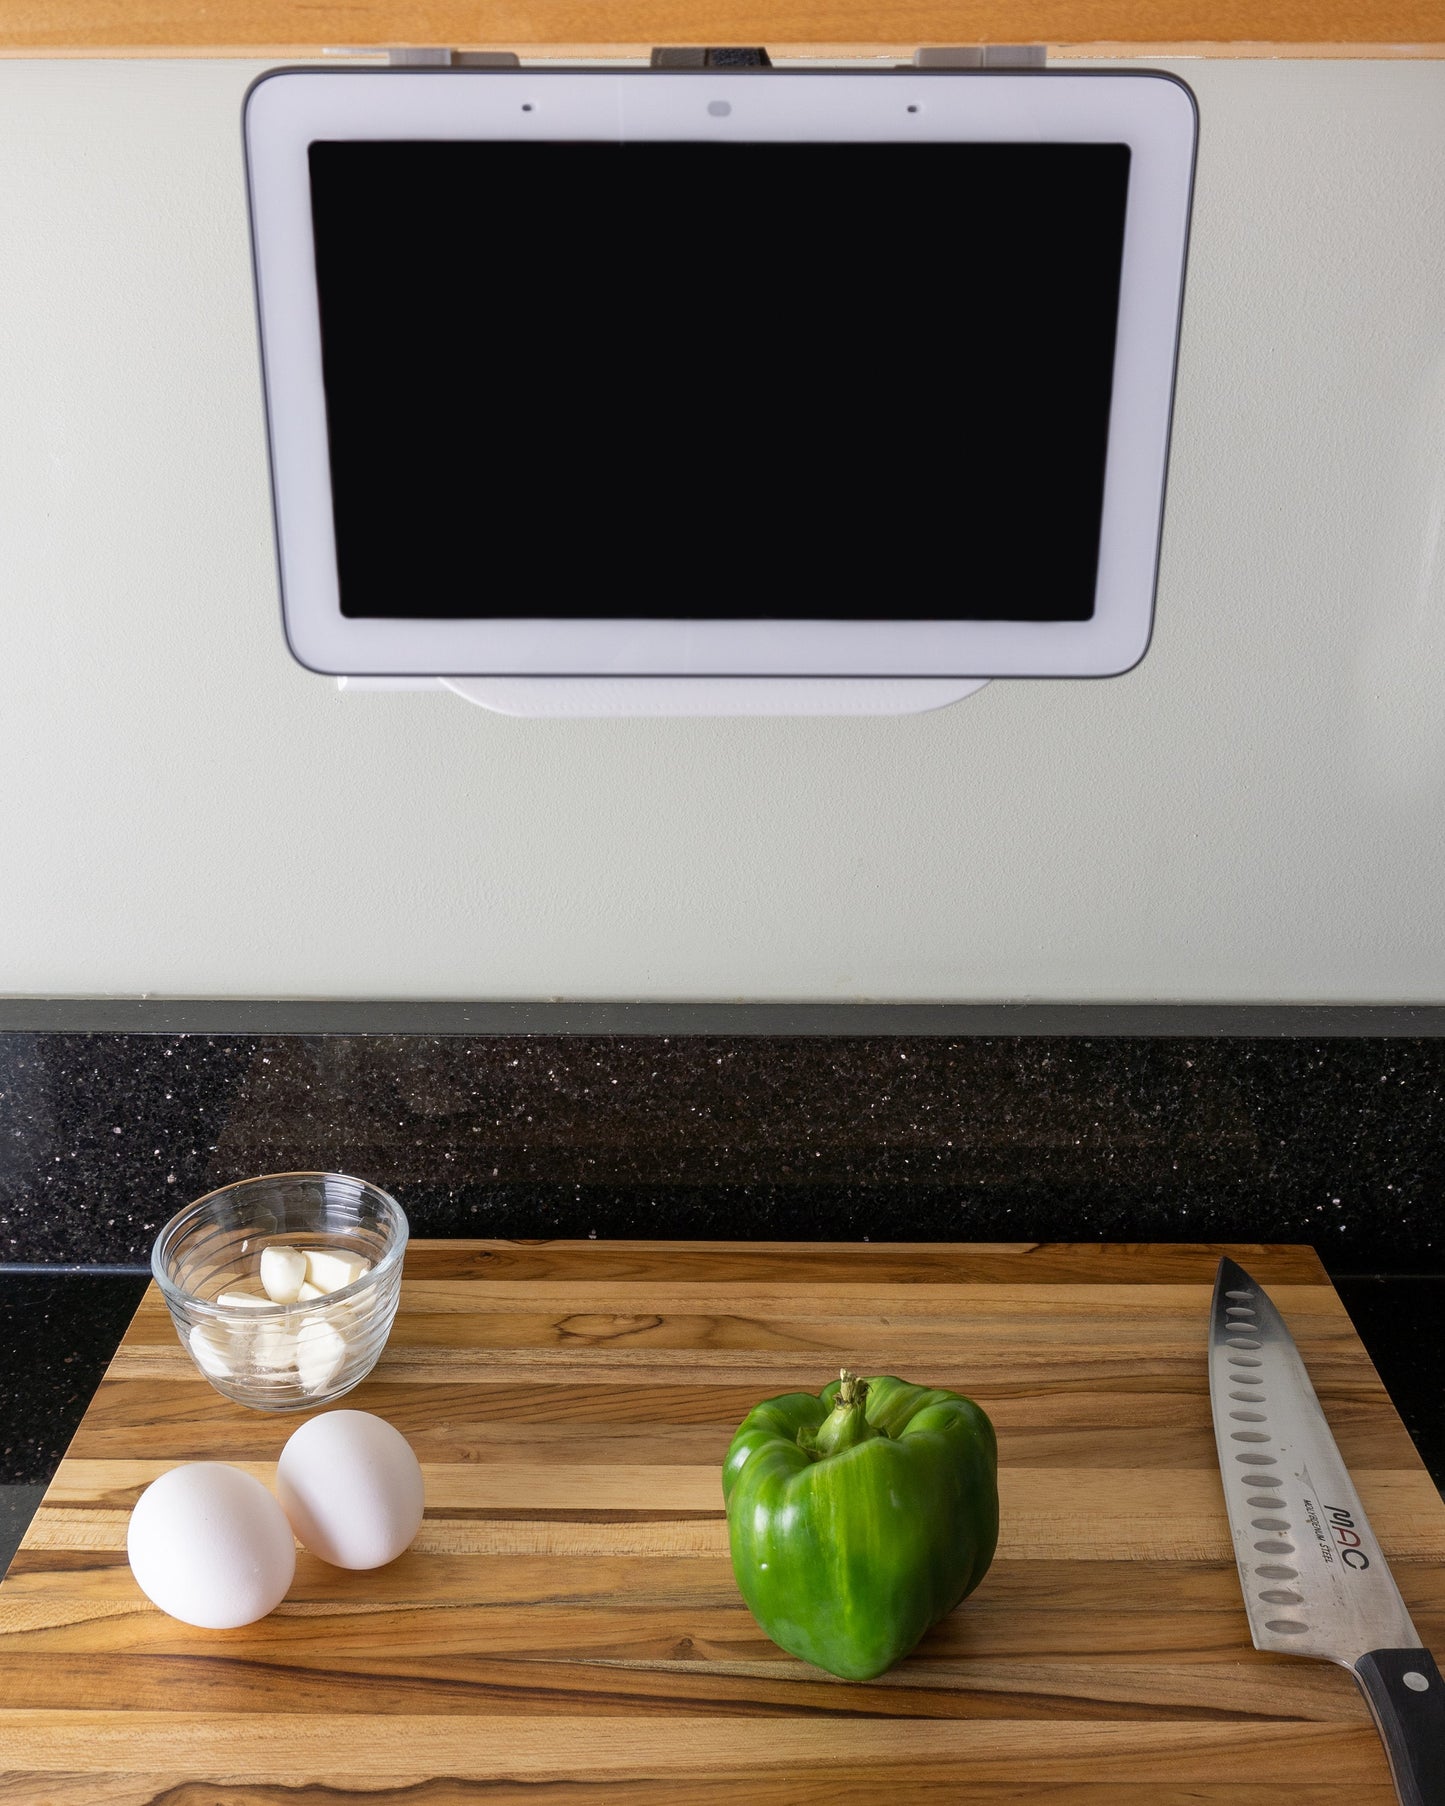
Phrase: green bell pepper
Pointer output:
(859, 1517)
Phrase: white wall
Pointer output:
(1256, 813)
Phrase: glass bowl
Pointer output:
(282, 1357)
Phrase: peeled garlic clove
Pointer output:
(333, 1268)
(244, 1301)
(320, 1352)
(308, 1292)
(283, 1273)
(210, 1345)
(274, 1348)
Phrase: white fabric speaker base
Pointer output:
(581, 697)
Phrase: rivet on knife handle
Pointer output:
(1407, 1697)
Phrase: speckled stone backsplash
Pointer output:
(1335, 1141)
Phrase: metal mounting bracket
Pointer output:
(982, 56)
(453, 59)
(728, 56)
(701, 56)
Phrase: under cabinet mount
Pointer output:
(453, 59)
(728, 56)
(982, 56)
(700, 56)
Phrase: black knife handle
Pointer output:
(1411, 1719)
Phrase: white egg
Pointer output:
(352, 1488)
(209, 1545)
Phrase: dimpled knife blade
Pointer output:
(1314, 1577)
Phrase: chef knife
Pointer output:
(1315, 1580)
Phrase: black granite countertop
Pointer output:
(805, 1122)
(964, 1134)
(61, 1329)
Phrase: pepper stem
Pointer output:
(850, 1387)
(847, 1424)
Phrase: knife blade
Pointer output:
(1314, 1577)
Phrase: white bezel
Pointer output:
(1153, 113)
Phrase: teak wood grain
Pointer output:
(280, 28)
(566, 1627)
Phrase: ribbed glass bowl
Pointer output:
(282, 1357)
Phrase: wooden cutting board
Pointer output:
(566, 1628)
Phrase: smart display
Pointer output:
(826, 373)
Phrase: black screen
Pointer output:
(740, 381)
